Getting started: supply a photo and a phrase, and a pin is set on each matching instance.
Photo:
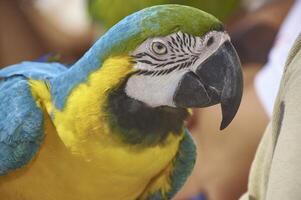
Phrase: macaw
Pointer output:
(111, 126)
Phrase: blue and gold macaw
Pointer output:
(111, 126)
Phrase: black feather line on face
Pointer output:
(169, 44)
(178, 38)
(184, 39)
(164, 71)
(190, 50)
(182, 49)
(189, 40)
(194, 42)
(164, 64)
(174, 42)
(173, 68)
(182, 60)
(182, 66)
(194, 59)
(141, 55)
(160, 72)
(147, 62)
(181, 55)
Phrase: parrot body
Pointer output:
(111, 126)
(106, 161)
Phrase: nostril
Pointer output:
(210, 41)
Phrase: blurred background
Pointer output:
(62, 30)
(31, 29)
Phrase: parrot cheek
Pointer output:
(154, 91)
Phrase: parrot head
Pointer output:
(181, 58)
(187, 71)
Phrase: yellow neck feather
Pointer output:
(82, 116)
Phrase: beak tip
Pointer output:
(229, 108)
(223, 125)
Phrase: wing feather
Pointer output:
(21, 119)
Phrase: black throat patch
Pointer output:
(138, 123)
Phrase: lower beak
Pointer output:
(217, 80)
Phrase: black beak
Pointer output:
(217, 80)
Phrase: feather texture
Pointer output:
(21, 124)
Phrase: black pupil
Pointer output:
(210, 41)
(159, 46)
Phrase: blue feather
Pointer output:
(34, 70)
(21, 121)
(21, 124)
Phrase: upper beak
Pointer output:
(217, 80)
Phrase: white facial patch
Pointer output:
(161, 63)
(154, 90)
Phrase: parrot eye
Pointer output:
(159, 48)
